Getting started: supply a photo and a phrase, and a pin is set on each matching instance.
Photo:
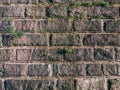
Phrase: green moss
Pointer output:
(98, 17)
(67, 50)
(102, 3)
(76, 4)
(87, 4)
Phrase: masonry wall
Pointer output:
(59, 45)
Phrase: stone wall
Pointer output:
(59, 45)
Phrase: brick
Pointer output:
(101, 40)
(12, 11)
(117, 54)
(62, 1)
(83, 12)
(35, 11)
(65, 40)
(65, 84)
(69, 70)
(91, 84)
(25, 25)
(114, 84)
(13, 70)
(58, 11)
(39, 54)
(54, 25)
(7, 55)
(26, 40)
(5, 25)
(112, 26)
(11, 84)
(87, 25)
(93, 70)
(110, 69)
(55, 54)
(103, 54)
(79, 54)
(23, 55)
(39, 70)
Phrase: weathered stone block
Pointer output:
(39, 54)
(12, 11)
(103, 54)
(26, 40)
(54, 25)
(11, 84)
(45, 1)
(110, 69)
(112, 26)
(7, 55)
(23, 55)
(5, 25)
(25, 25)
(88, 25)
(35, 11)
(58, 11)
(91, 84)
(101, 40)
(65, 40)
(39, 70)
(55, 54)
(13, 70)
(62, 1)
(69, 70)
(93, 70)
(114, 84)
(65, 84)
(4, 1)
(79, 54)
(18, 1)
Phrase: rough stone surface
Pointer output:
(117, 54)
(93, 70)
(54, 26)
(69, 70)
(91, 84)
(29, 84)
(39, 54)
(103, 54)
(26, 40)
(79, 55)
(112, 26)
(101, 40)
(23, 55)
(12, 11)
(25, 25)
(35, 11)
(39, 70)
(114, 84)
(65, 85)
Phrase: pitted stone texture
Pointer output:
(90, 84)
(117, 53)
(25, 25)
(79, 54)
(83, 12)
(112, 26)
(58, 11)
(54, 25)
(65, 84)
(103, 54)
(26, 40)
(29, 84)
(19, 1)
(12, 11)
(101, 40)
(69, 70)
(87, 25)
(35, 11)
(93, 70)
(65, 40)
(39, 54)
(39, 70)
(23, 55)
(7, 55)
